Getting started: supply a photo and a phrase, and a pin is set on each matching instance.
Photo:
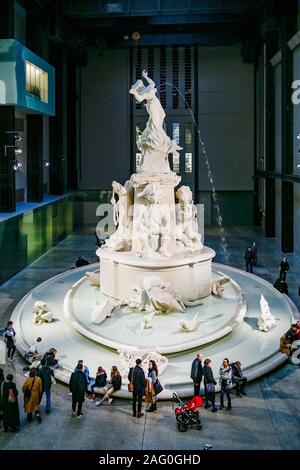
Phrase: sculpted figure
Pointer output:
(187, 234)
(154, 222)
(42, 313)
(154, 143)
(121, 239)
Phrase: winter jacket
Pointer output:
(225, 375)
(208, 376)
(34, 384)
(196, 371)
(78, 385)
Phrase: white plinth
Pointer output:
(189, 274)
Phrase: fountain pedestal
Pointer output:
(188, 274)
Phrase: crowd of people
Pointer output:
(40, 373)
(230, 374)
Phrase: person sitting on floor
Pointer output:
(114, 385)
(238, 379)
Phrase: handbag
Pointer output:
(157, 387)
(130, 385)
(27, 392)
(53, 381)
(210, 388)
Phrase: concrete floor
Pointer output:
(269, 418)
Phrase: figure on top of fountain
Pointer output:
(154, 145)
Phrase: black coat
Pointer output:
(208, 376)
(138, 380)
(196, 371)
(78, 385)
(101, 380)
(284, 266)
(45, 374)
(11, 416)
(116, 382)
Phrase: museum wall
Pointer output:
(226, 104)
(226, 107)
(105, 130)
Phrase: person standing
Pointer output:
(9, 394)
(239, 379)
(254, 253)
(209, 386)
(283, 268)
(249, 260)
(225, 382)
(85, 370)
(153, 386)
(10, 338)
(32, 389)
(196, 373)
(137, 377)
(78, 388)
(47, 375)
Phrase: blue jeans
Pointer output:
(48, 401)
(225, 390)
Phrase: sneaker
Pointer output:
(221, 408)
(73, 413)
(110, 400)
(139, 415)
(228, 408)
(213, 410)
(79, 416)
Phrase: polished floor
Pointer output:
(267, 419)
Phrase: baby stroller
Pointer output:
(187, 414)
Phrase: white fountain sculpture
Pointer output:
(101, 311)
(155, 296)
(154, 235)
(127, 359)
(42, 313)
(190, 325)
(266, 321)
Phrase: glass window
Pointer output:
(138, 155)
(36, 82)
(176, 132)
(188, 134)
(188, 162)
(176, 163)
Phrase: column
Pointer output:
(35, 182)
